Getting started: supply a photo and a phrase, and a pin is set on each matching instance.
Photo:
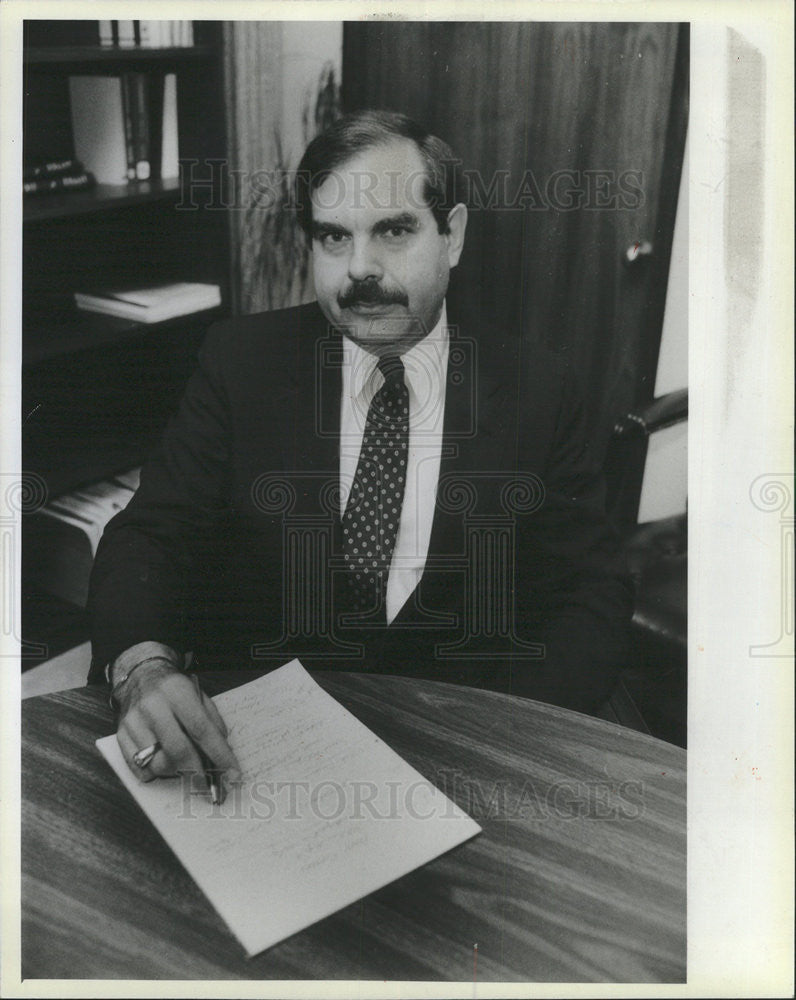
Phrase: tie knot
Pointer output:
(392, 368)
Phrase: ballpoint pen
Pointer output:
(212, 773)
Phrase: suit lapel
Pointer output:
(475, 443)
(308, 417)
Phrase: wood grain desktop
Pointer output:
(579, 874)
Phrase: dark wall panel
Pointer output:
(569, 126)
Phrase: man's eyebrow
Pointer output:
(406, 219)
(321, 229)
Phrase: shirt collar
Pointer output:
(425, 367)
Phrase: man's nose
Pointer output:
(364, 261)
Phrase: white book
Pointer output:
(149, 32)
(151, 304)
(155, 296)
(170, 148)
(326, 812)
(98, 126)
(105, 33)
(126, 34)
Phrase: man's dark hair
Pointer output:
(362, 130)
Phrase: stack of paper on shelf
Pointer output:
(62, 537)
(152, 304)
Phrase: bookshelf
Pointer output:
(97, 390)
(99, 198)
(96, 331)
(85, 55)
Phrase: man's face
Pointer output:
(380, 264)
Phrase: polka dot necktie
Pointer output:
(373, 511)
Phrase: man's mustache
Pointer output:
(370, 293)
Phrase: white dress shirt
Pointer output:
(425, 368)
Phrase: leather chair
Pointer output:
(652, 693)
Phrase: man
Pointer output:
(365, 482)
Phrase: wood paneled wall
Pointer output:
(585, 113)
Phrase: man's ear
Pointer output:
(457, 223)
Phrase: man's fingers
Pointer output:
(173, 711)
(215, 715)
(179, 754)
(153, 719)
(201, 726)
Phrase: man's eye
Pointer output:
(396, 232)
(332, 240)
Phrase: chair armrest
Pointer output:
(655, 415)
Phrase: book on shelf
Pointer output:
(150, 33)
(139, 101)
(97, 106)
(108, 33)
(146, 34)
(126, 34)
(63, 536)
(169, 134)
(125, 125)
(129, 138)
(51, 168)
(77, 181)
(56, 175)
(151, 304)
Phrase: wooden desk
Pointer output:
(579, 874)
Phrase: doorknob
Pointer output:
(641, 248)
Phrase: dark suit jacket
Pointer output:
(231, 545)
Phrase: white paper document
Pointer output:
(326, 812)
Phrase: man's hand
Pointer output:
(159, 704)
